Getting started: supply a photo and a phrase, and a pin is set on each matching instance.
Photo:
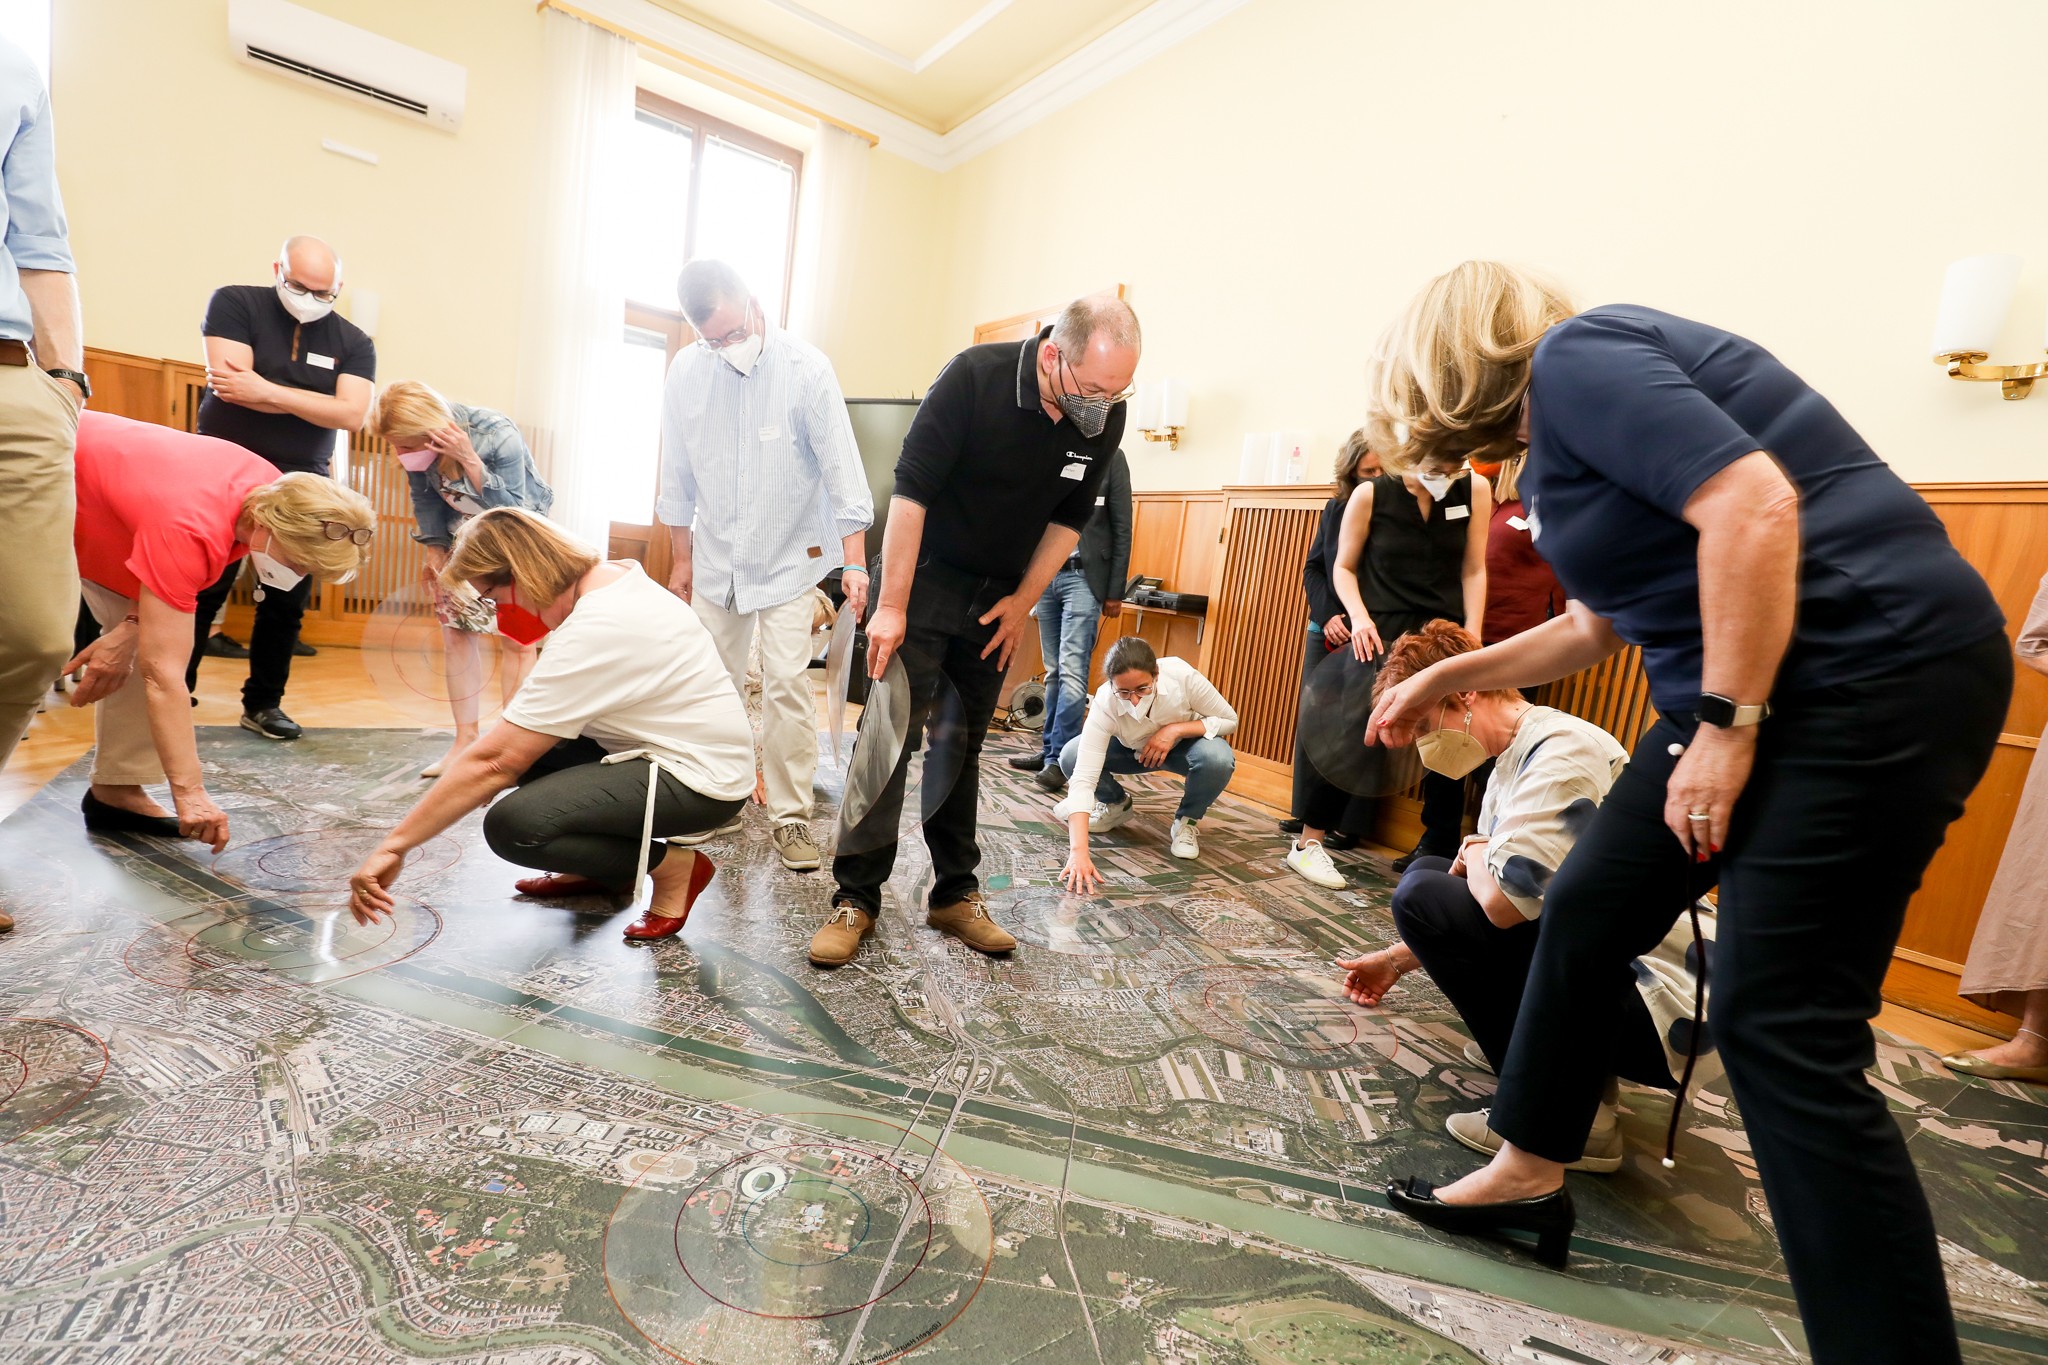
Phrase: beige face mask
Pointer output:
(1454, 753)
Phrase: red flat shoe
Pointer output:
(652, 926)
(562, 884)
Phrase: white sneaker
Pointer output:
(1181, 841)
(731, 826)
(1312, 862)
(1102, 819)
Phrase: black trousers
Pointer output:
(943, 641)
(1852, 792)
(270, 639)
(573, 812)
(1483, 968)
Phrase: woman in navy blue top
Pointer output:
(1831, 677)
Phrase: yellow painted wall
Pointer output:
(183, 168)
(1274, 188)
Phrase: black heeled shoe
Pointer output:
(106, 819)
(1550, 1217)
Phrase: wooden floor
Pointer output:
(333, 689)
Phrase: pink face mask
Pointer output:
(418, 461)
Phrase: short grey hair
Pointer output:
(1080, 320)
(705, 284)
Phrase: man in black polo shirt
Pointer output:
(998, 475)
(283, 374)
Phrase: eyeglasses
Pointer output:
(1124, 396)
(341, 530)
(736, 337)
(292, 286)
(1136, 693)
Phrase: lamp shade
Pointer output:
(1160, 403)
(1975, 294)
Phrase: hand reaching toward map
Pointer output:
(369, 887)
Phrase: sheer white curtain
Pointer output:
(827, 226)
(577, 301)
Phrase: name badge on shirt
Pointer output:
(1456, 513)
(320, 362)
(1518, 523)
(1101, 500)
(770, 432)
(1076, 472)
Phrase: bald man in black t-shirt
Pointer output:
(998, 476)
(284, 373)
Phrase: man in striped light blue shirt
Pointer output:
(763, 494)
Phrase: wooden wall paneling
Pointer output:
(129, 386)
(1021, 325)
(186, 385)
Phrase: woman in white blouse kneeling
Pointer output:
(627, 732)
(1151, 714)
(1471, 921)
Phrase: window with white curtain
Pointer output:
(697, 187)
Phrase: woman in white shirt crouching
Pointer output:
(1151, 714)
(627, 732)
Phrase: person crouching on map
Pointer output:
(627, 732)
(1150, 714)
(1471, 921)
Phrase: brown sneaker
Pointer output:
(967, 920)
(6, 921)
(835, 944)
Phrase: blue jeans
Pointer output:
(1068, 617)
(1206, 764)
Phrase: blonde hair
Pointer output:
(511, 544)
(1448, 380)
(408, 410)
(1507, 484)
(295, 510)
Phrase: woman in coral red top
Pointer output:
(161, 514)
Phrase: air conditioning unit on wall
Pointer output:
(311, 47)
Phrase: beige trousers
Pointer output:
(38, 570)
(124, 753)
(789, 716)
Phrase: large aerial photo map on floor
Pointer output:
(236, 1126)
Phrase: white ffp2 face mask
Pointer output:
(271, 572)
(743, 356)
(304, 307)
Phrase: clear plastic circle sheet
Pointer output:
(839, 677)
(826, 1236)
(420, 668)
(1336, 703)
(892, 721)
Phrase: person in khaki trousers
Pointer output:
(39, 331)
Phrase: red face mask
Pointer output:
(519, 625)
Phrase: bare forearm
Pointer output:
(1558, 648)
(1475, 599)
(900, 542)
(470, 781)
(853, 549)
(1054, 547)
(1345, 581)
(322, 410)
(1749, 577)
(169, 706)
(679, 544)
(1077, 832)
(59, 322)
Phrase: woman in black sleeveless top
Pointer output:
(1407, 552)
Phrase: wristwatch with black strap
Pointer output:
(84, 384)
(1727, 713)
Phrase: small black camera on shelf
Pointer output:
(1146, 592)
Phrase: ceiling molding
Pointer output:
(1130, 44)
(971, 26)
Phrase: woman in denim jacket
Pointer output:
(460, 461)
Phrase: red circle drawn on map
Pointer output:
(891, 1166)
(270, 856)
(981, 1276)
(1207, 1018)
(257, 976)
(96, 1061)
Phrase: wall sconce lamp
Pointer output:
(1975, 296)
(1161, 411)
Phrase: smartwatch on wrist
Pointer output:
(1726, 713)
(84, 384)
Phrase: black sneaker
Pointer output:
(222, 647)
(302, 650)
(1290, 826)
(271, 724)
(1051, 778)
(1025, 763)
